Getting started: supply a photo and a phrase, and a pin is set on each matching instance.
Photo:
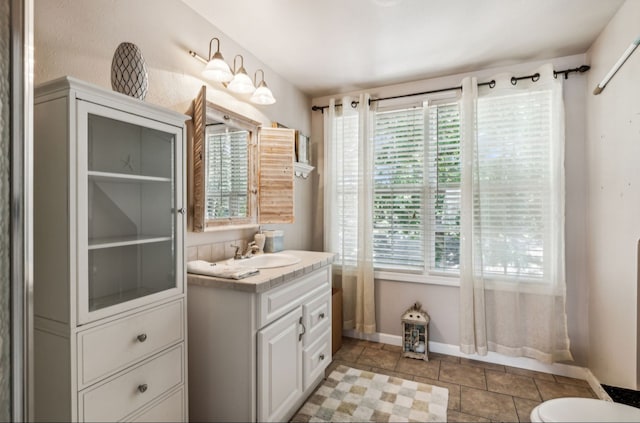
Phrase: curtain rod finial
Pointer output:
(597, 91)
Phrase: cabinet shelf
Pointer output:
(120, 297)
(112, 242)
(124, 177)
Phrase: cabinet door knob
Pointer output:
(321, 315)
(142, 337)
(321, 356)
(143, 387)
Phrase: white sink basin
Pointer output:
(266, 261)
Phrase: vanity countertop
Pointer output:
(268, 278)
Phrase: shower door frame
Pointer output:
(21, 208)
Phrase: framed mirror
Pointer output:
(222, 162)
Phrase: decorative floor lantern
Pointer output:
(414, 332)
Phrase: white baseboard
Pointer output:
(560, 369)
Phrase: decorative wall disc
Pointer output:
(129, 71)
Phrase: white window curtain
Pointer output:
(348, 212)
(512, 264)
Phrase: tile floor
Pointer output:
(478, 391)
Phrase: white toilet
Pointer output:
(584, 410)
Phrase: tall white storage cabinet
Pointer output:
(109, 292)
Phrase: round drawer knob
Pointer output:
(321, 356)
(142, 337)
(321, 315)
(143, 387)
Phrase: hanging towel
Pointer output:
(218, 270)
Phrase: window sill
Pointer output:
(417, 278)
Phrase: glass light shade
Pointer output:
(217, 69)
(241, 83)
(263, 95)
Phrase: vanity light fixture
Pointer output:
(237, 81)
(217, 69)
(262, 94)
(241, 82)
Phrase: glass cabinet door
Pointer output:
(129, 234)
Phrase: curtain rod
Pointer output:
(491, 84)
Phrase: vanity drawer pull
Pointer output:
(143, 388)
(321, 315)
(321, 356)
(142, 337)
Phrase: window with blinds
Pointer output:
(399, 189)
(417, 188)
(226, 186)
(443, 205)
(514, 171)
(346, 134)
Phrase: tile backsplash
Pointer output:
(216, 251)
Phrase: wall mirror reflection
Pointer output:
(222, 172)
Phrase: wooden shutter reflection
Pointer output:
(276, 175)
(197, 161)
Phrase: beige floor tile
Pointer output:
(454, 391)
(510, 384)
(375, 357)
(571, 381)
(524, 407)
(415, 367)
(549, 390)
(444, 357)
(462, 375)
(477, 363)
(456, 416)
(349, 352)
(530, 373)
(487, 404)
(393, 348)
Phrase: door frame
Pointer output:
(21, 208)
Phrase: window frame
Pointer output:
(426, 275)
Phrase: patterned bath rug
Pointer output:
(351, 395)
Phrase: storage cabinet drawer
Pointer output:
(124, 394)
(317, 315)
(114, 346)
(316, 358)
(277, 302)
(168, 409)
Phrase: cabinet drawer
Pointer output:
(128, 392)
(277, 302)
(316, 358)
(112, 347)
(317, 315)
(168, 409)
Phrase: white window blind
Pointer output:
(226, 186)
(416, 188)
(443, 166)
(346, 136)
(514, 176)
(399, 189)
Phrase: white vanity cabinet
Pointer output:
(259, 346)
(109, 290)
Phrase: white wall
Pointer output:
(613, 157)
(78, 38)
(441, 302)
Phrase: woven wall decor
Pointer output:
(129, 71)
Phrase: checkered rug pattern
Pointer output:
(351, 395)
